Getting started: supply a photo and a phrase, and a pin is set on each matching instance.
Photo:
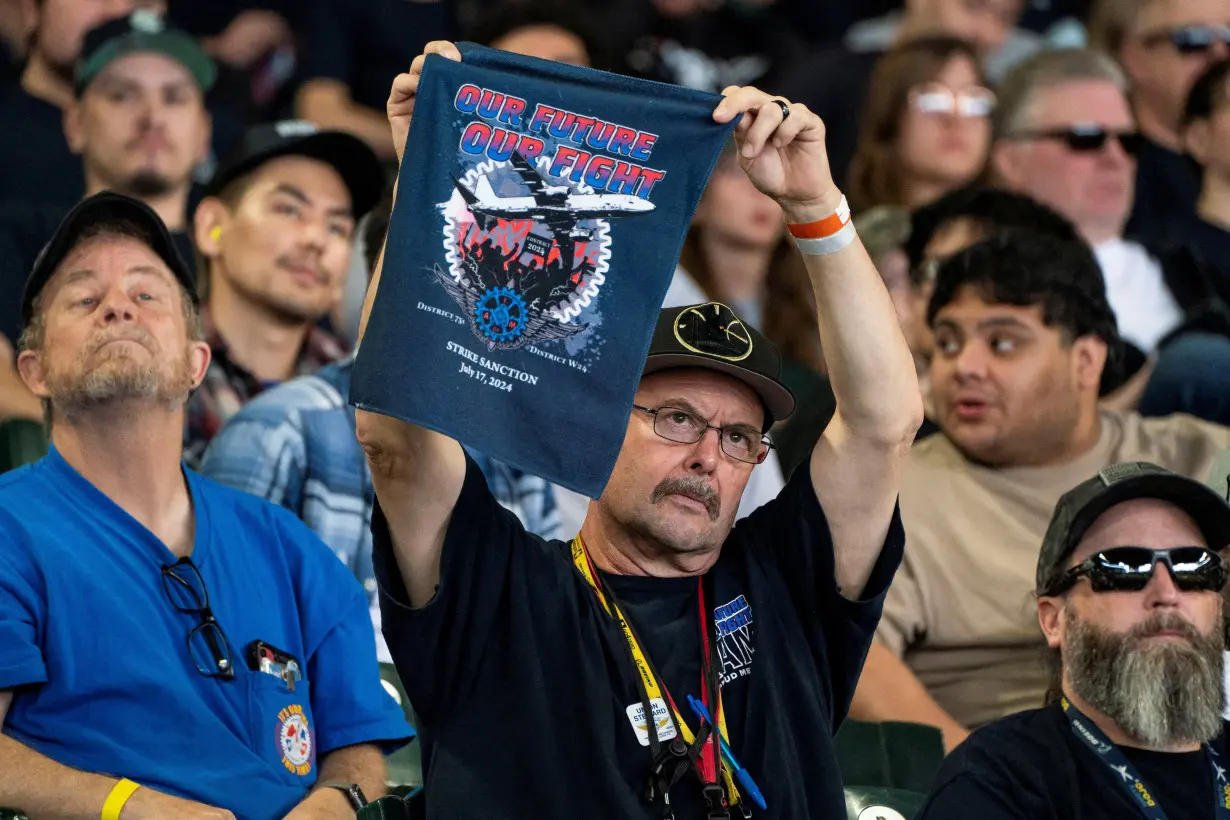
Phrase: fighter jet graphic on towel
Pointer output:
(557, 206)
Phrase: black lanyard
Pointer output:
(1127, 776)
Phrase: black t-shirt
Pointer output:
(366, 43)
(1030, 766)
(24, 230)
(1212, 244)
(522, 682)
(35, 163)
(1167, 187)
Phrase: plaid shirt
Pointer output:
(296, 447)
(228, 386)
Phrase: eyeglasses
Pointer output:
(1189, 40)
(207, 643)
(1088, 138)
(934, 98)
(741, 442)
(1128, 569)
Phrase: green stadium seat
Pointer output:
(889, 755)
(405, 765)
(21, 442)
(868, 803)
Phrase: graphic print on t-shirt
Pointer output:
(734, 631)
(527, 237)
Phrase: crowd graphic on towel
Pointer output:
(195, 198)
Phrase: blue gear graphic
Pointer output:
(500, 315)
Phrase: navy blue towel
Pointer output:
(540, 212)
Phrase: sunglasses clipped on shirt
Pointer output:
(1088, 138)
(1190, 39)
(935, 98)
(1129, 569)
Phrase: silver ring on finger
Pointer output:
(785, 106)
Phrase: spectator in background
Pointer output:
(1023, 331)
(295, 445)
(140, 598)
(139, 122)
(275, 234)
(253, 44)
(1207, 137)
(1162, 46)
(836, 82)
(1064, 135)
(701, 44)
(1128, 585)
(35, 162)
(926, 127)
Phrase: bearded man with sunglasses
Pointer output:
(1129, 584)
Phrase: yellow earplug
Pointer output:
(215, 234)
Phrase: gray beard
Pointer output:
(1159, 695)
(74, 397)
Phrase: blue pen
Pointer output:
(745, 779)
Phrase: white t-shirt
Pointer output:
(1144, 307)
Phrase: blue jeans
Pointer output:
(1192, 376)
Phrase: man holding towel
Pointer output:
(561, 681)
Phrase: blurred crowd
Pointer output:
(1044, 186)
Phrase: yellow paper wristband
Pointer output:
(118, 797)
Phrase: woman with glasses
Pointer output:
(926, 127)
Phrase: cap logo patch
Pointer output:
(713, 330)
(1118, 472)
(146, 20)
(295, 128)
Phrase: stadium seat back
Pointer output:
(889, 755)
(869, 803)
(405, 765)
(22, 441)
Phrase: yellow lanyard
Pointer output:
(652, 689)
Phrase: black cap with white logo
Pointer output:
(713, 337)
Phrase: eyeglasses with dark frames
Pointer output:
(742, 442)
(207, 643)
(1129, 569)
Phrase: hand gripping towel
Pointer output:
(540, 212)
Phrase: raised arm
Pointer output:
(856, 466)
(417, 473)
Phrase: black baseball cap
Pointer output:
(106, 208)
(1081, 506)
(354, 161)
(713, 337)
(142, 31)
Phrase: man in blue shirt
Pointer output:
(168, 647)
(295, 446)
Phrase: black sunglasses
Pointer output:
(1085, 139)
(207, 643)
(1190, 39)
(1128, 569)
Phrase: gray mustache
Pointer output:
(694, 488)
